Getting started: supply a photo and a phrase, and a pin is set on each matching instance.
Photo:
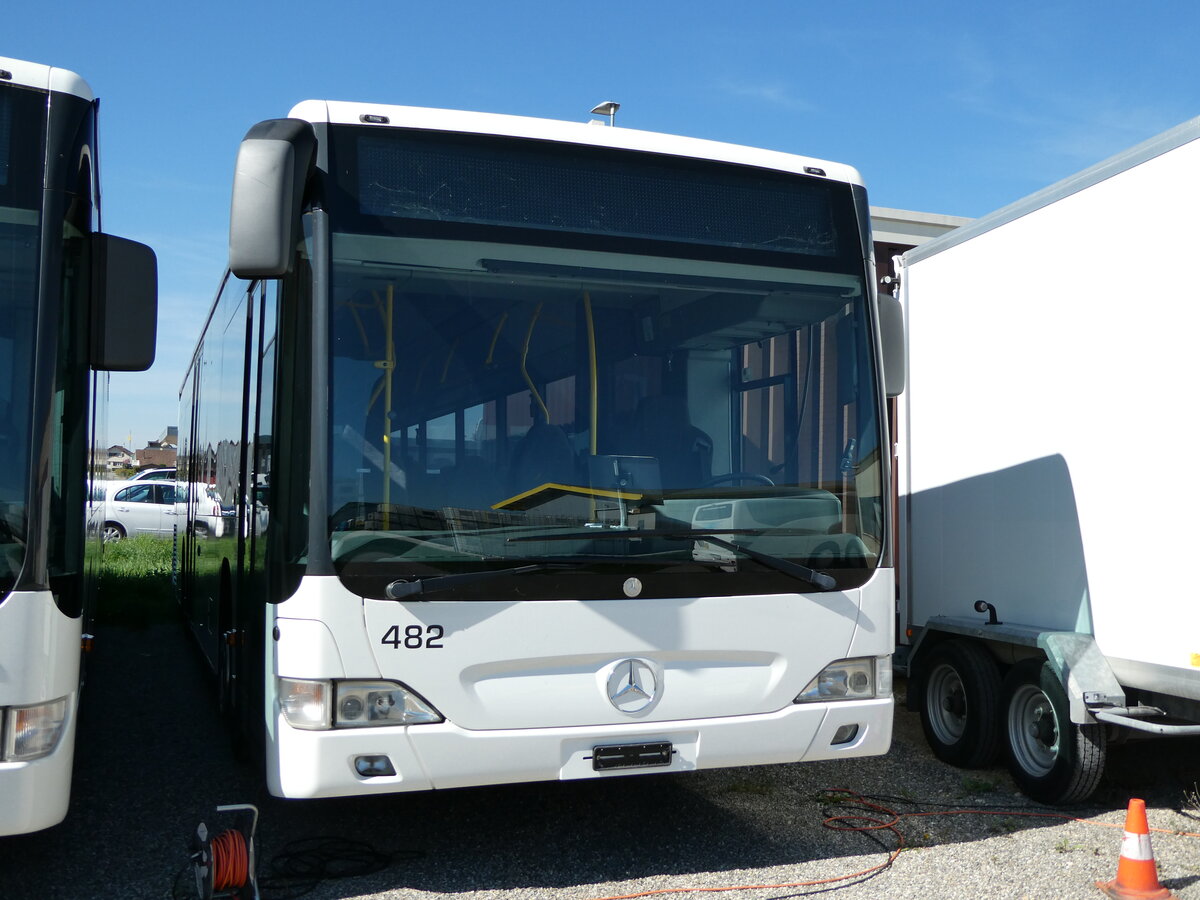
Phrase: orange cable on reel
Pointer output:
(223, 862)
(230, 861)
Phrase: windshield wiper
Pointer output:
(821, 580)
(399, 590)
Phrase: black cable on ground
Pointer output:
(303, 864)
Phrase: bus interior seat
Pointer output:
(664, 430)
(543, 455)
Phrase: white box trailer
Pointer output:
(1048, 497)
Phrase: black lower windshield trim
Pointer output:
(820, 580)
(401, 589)
(595, 580)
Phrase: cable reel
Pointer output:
(223, 861)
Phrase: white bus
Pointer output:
(57, 331)
(554, 452)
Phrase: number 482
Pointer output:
(414, 637)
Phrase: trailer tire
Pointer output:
(1052, 760)
(959, 703)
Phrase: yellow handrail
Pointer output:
(592, 387)
(525, 372)
(495, 337)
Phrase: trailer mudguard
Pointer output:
(1083, 671)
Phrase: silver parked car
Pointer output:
(150, 506)
(137, 507)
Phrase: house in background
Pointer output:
(162, 452)
(118, 457)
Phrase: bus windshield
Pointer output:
(22, 113)
(505, 392)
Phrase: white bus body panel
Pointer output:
(1045, 461)
(524, 686)
(39, 662)
(452, 120)
(47, 78)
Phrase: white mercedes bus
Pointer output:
(557, 450)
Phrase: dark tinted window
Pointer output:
(410, 182)
(139, 493)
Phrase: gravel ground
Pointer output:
(150, 768)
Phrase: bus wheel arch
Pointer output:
(958, 696)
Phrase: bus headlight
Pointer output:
(846, 679)
(361, 704)
(305, 704)
(31, 732)
(319, 705)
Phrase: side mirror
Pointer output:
(273, 165)
(891, 336)
(124, 304)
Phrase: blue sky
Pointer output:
(948, 107)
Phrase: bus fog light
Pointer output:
(305, 704)
(846, 679)
(362, 704)
(844, 735)
(373, 766)
(34, 731)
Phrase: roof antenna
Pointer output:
(607, 108)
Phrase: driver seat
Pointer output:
(665, 431)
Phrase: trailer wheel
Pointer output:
(959, 703)
(1052, 759)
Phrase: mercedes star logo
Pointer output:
(632, 685)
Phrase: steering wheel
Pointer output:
(739, 476)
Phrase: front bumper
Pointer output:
(307, 764)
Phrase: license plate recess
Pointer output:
(632, 756)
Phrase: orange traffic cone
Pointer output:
(1137, 876)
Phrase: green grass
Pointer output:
(135, 583)
(973, 785)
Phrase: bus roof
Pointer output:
(594, 134)
(46, 78)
